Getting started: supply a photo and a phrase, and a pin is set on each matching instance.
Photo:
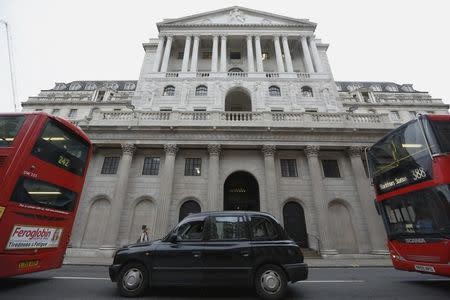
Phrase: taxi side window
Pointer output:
(263, 229)
(191, 231)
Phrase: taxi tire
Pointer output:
(281, 276)
(141, 288)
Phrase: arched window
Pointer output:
(201, 90)
(274, 91)
(169, 91)
(188, 207)
(307, 91)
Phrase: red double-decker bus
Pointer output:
(410, 169)
(43, 163)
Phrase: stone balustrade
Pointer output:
(239, 118)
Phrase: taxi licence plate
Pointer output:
(28, 264)
(424, 268)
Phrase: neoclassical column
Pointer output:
(315, 54)
(280, 65)
(120, 189)
(287, 54)
(165, 62)
(165, 191)
(187, 51)
(213, 177)
(215, 53)
(259, 61)
(272, 204)
(312, 154)
(223, 54)
(158, 55)
(306, 55)
(250, 57)
(377, 235)
(195, 54)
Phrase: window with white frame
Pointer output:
(169, 91)
(274, 91)
(201, 90)
(73, 113)
(288, 167)
(193, 167)
(151, 166)
(331, 168)
(307, 91)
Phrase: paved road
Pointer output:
(91, 282)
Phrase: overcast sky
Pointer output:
(62, 41)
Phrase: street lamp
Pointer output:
(11, 65)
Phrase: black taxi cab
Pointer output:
(227, 248)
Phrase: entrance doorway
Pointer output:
(238, 99)
(294, 223)
(241, 192)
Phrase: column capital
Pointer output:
(355, 151)
(214, 149)
(128, 149)
(223, 36)
(196, 36)
(257, 36)
(188, 37)
(276, 36)
(215, 35)
(169, 37)
(312, 151)
(268, 150)
(284, 38)
(249, 36)
(171, 149)
(161, 37)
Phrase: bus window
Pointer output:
(62, 148)
(43, 194)
(9, 127)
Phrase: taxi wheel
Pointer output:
(270, 282)
(133, 280)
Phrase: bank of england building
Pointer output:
(234, 109)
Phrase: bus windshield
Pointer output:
(420, 213)
(62, 148)
(9, 127)
(400, 159)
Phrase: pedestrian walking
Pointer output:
(144, 235)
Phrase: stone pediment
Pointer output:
(236, 15)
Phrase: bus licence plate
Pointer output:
(28, 264)
(424, 268)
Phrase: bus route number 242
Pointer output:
(65, 162)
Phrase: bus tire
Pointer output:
(133, 280)
(270, 282)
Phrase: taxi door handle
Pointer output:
(196, 254)
(245, 253)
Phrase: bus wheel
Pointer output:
(133, 280)
(270, 282)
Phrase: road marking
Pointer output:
(332, 281)
(80, 278)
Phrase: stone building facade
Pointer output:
(233, 109)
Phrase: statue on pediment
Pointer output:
(237, 15)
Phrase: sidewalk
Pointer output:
(330, 262)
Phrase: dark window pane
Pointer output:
(263, 229)
(331, 168)
(43, 194)
(9, 127)
(110, 165)
(61, 148)
(288, 167)
(235, 55)
(151, 166)
(191, 231)
(228, 228)
(193, 167)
